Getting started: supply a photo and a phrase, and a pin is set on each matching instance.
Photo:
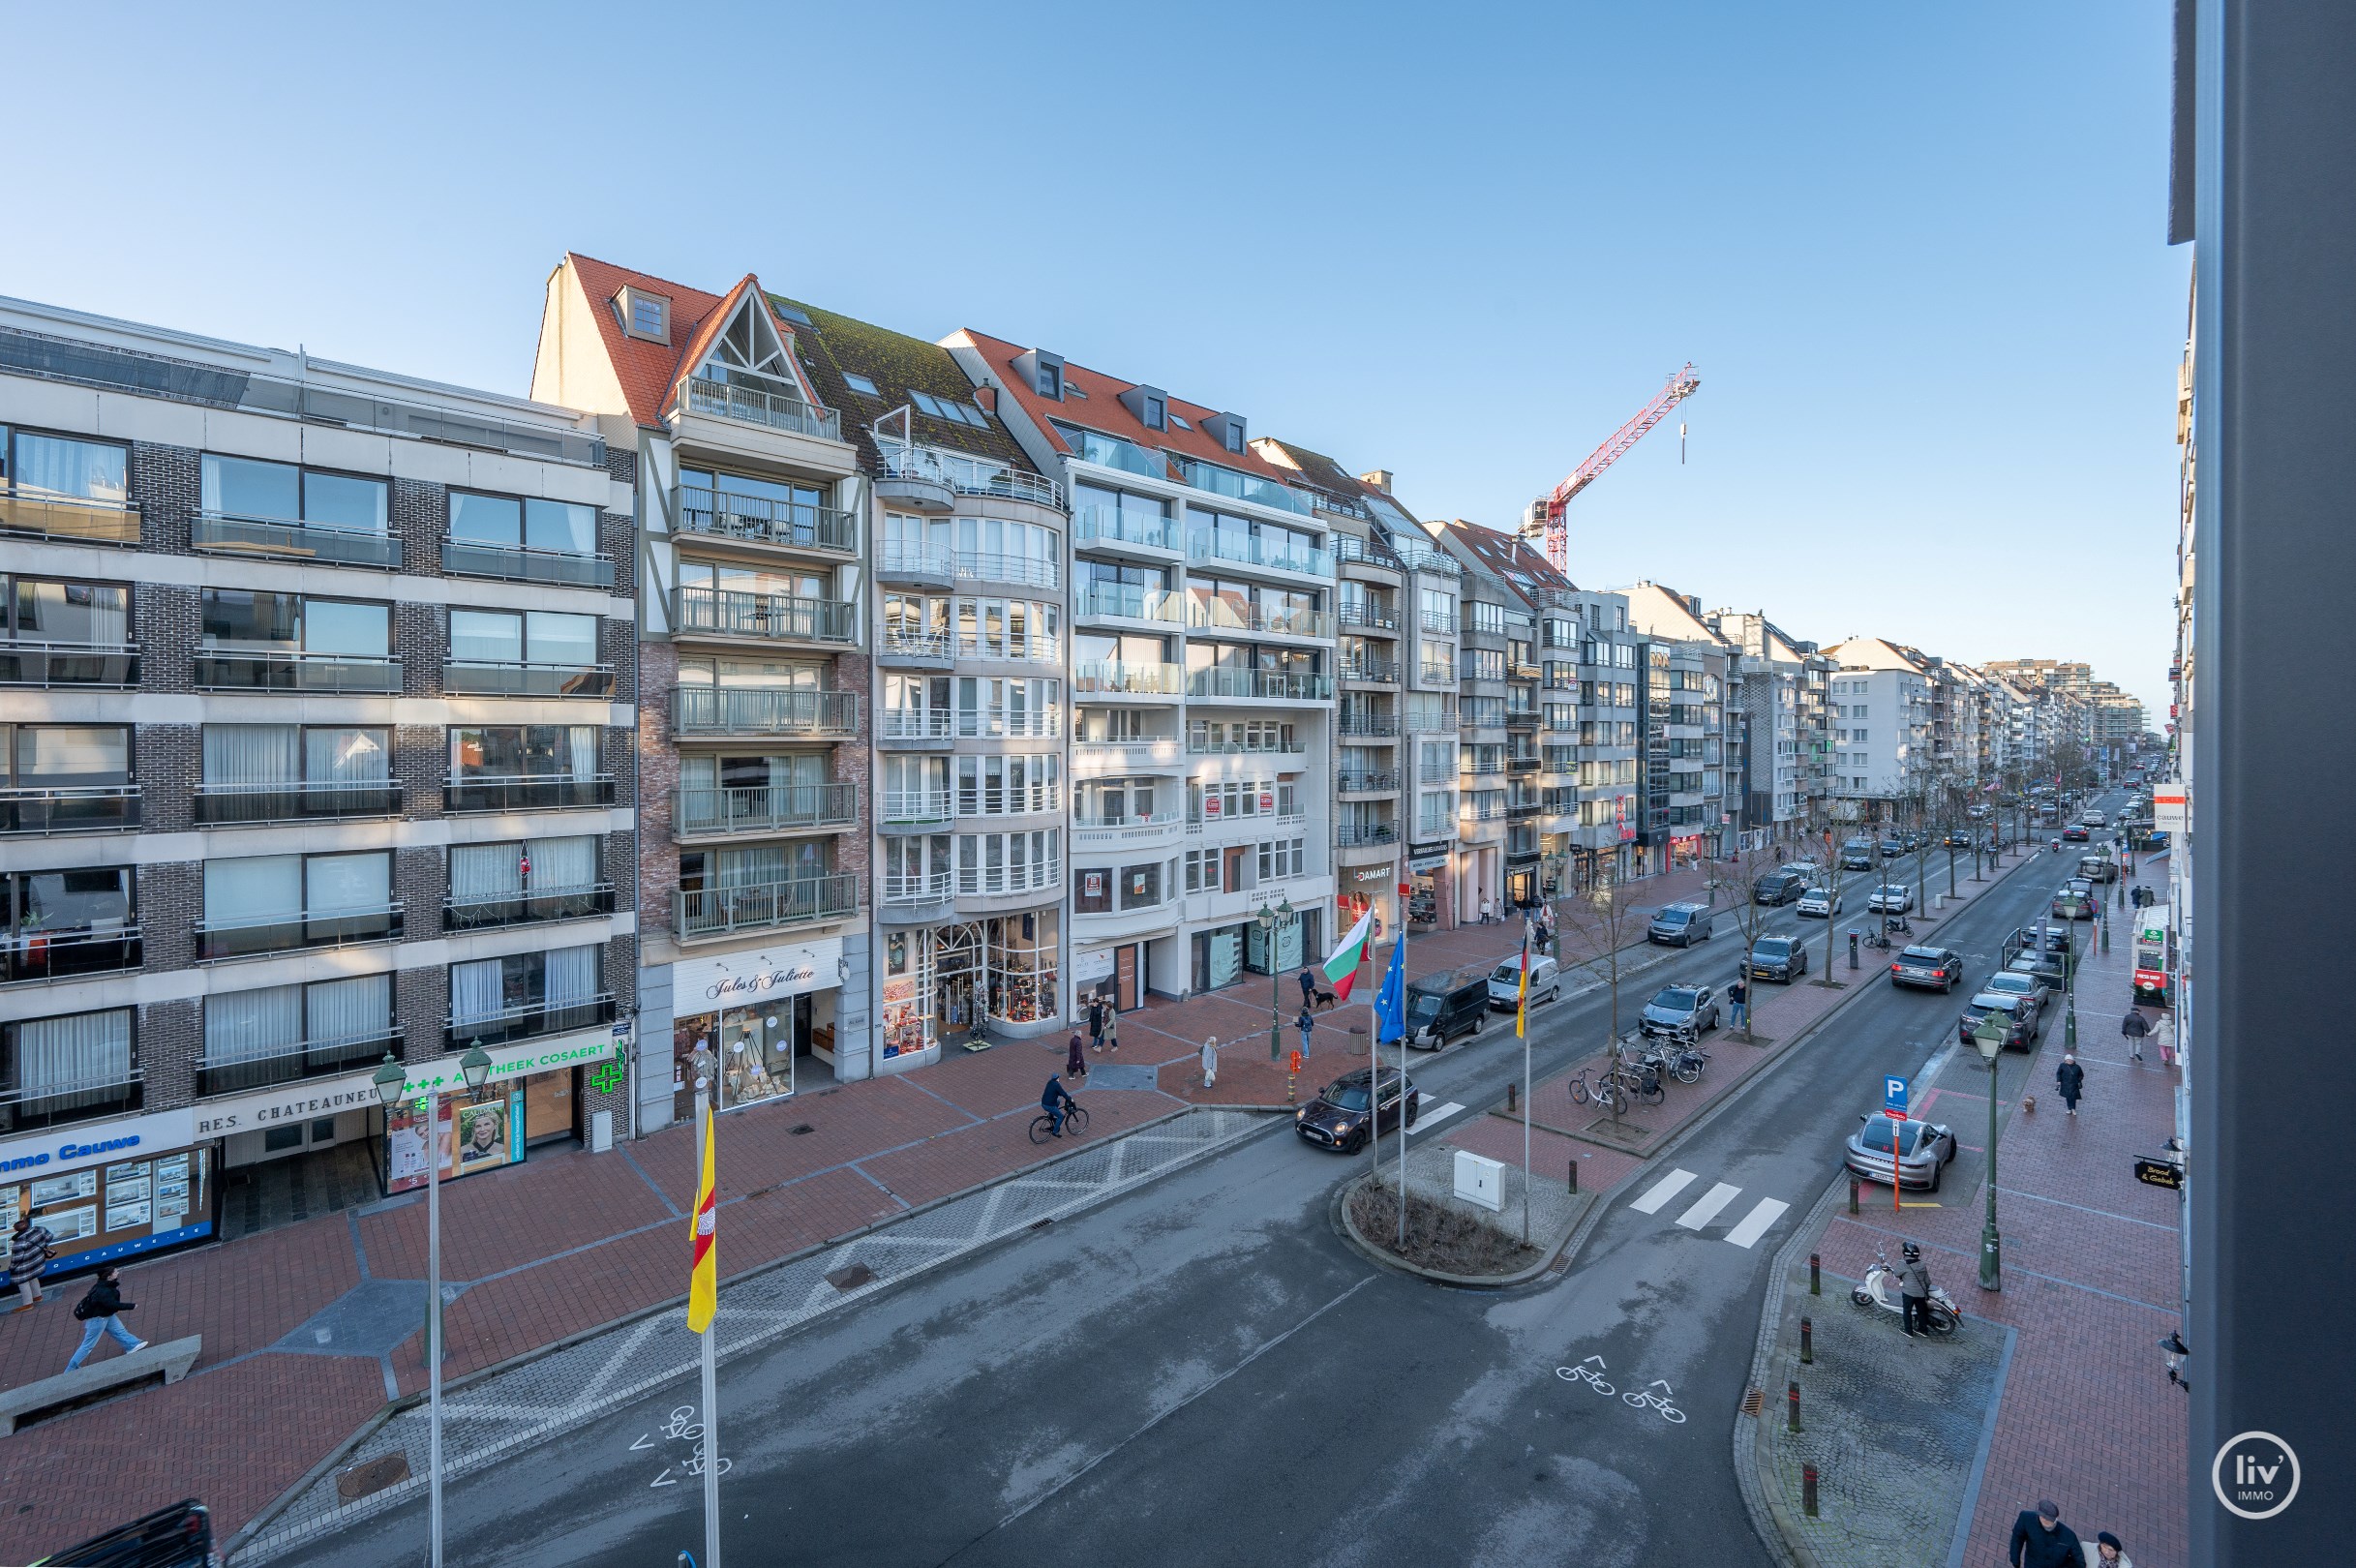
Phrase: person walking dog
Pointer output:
(2071, 1079)
(98, 1311)
(30, 1247)
(2135, 1026)
(1210, 1061)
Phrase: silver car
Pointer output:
(1824, 901)
(1680, 1012)
(1921, 1154)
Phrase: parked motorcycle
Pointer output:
(1881, 1289)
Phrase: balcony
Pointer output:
(221, 805)
(60, 1105)
(903, 647)
(914, 724)
(763, 809)
(1380, 671)
(1219, 614)
(1521, 809)
(1364, 834)
(1210, 544)
(1232, 483)
(526, 907)
(1112, 452)
(776, 616)
(30, 662)
(1241, 748)
(995, 566)
(1423, 558)
(519, 563)
(534, 1021)
(231, 534)
(1103, 526)
(1352, 551)
(722, 712)
(312, 1058)
(516, 677)
(1468, 765)
(1367, 724)
(910, 561)
(1128, 601)
(292, 932)
(905, 471)
(68, 517)
(1483, 809)
(1521, 669)
(1357, 781)
(324, 673)
(759, 519)
(1263, 686)
(704, 913)
(1024, 882)
(1434, 620)
(917, 809)
(1442, 722)
(530, 791)
(66, 952)
(1521, 763)
(912, 897)
(72, 808)
(1104, 677)
(752, 405)
(1374, 617)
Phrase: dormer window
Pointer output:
(1044, 371)
(1149, 405)
(1235, 437)
(1051, 382)
(1154, 411)
(645, 316)
(1227, 429)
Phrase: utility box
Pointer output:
(601, 1131)
(1480, 1181)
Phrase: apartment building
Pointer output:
(752, 523)
(316, 710)
(1202, 669)
(1881, 700)
(1690, 672)
(1765, 687)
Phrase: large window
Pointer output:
(282, 1033)
(517, 882)
(64, 632)
(529, 652)
(65, 778)
(68, 1069)
(526, 994)
(79, 922)
(1004, 551)
(526, 538)
(1008, 629)
(916, 868)
(524, 767)
(281, 508)
(1099, 513)
(289, 642)
(1008, 785)
(772, 511)
(992, 706)
(1114, 802)
(272, 903)
(1009, 863)
(279, 772)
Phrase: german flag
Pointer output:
(704, 1283)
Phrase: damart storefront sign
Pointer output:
(357, 1090)
(102, 1142)
(739, 980)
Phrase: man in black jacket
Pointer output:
(1914, 1291)
(2040, 1540)
(96, 1312)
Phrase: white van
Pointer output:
(1505, 982)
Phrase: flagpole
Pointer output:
(710, 1365)
(1402, 1067)
(1521, 1028)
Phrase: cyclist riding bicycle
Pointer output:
(1053, 1099)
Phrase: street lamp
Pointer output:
(1270, 921)
(1989, 1036)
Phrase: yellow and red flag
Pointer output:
(703, 1285)
(1521, 995)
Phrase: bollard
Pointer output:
(1815, 1274)
(1853, 1194)
(1574, 1175)
(1513, 1094)
(1794, 1398)
(1807, 1343)
(2105, 927)
(1807, 1490)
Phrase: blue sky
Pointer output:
(1916, 252)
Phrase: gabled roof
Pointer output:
(1663, 612)
(1526, 570)
(835, 347)
(1314, 471)
(1876, 654)
(647, 371)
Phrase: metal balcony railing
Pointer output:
(906, 643)
(59, 1105)
(1370, 724)
(1151, 822)
(529, 792)
(1442, 722)
(1105, 676)
(1434, 620)
(70, 808)
(224, 804)
(1479, 766)
(1355, 551)
(32, 662)
(223, 670)
(914, 724)
(763, 519)
(1103, 525)
(1482, 810)
(903, 889)
(752, 405)
(528, 906)
(726, 613)
(521, 563)
(1383, 672)
(291, 1064)
(517, 678)
(1358, 835)
(230, 533)
(1264, 684)
(993, 881)
(906, 808)
(1358, 781)
(1355, 614)
(709, 912)
(763, 808)
(530, 1021)
(1250, 550)
(997, 566)
(67, 516)
(1521, 763)
(911, 557)
(1424, 558)
(715, 712)
(246, 936)
(64, 951)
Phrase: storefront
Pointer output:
(112, 1189)
(938, 982)
(768, 1015)
(1118, 975)
(1364, 888)
(1428, 882)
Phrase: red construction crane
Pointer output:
(1546, 512)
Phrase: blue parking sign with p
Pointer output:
(1893, 1094)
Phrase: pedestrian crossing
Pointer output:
(1428, 1115)
(1698, 1215)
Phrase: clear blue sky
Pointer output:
(1916, 251)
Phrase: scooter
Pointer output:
(1881, 1289)
(1896, 925)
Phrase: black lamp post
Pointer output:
(1270, 922)
(1989, 1036)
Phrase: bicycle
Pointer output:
(1638, 1082)
(1592, 1377)
(1603, 1093)
(1075, 1123)
(1659, 1402)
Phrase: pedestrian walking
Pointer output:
(1303, 1023)
(98, 1311)
(1113, 1029)
(30, 1247)
(2135, 1026)
(2109, 1553)
(2071, 1079)
(1096, 1024)
(2165, 1031)
(1739, 998)
(1309, 987)
(1210, 1061)
(2040, 1540)
(1488, 910)
(1075, 1065)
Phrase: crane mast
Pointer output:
(1546, 512)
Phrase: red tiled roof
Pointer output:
(649, 371)
(1505, 554)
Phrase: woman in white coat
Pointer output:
(1210, 1061)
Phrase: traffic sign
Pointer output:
(1893, 1096)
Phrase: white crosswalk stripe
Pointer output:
(1712, 1206)
(1706, 1210)
(1755, 1224)
(1662, 1190)
(1426, 1120)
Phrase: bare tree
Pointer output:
(1750, 914)
(1824, 826)
(1596, 926)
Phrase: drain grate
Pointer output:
(850, 1277)
(1752, 1398)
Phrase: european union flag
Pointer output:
(1391, 1003)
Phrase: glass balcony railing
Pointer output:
(1103, 525)
(1139, 680)
(755, 406)
(722, 514)
(516, 564)
(226, 805)
(1112, 452)
(763, 808)
(964, 473)
(1240, 486)
(1267, 684)
(529, 791)
(65, 952)
(531, 906)
(1247, 550)
(247, 936)
(530, 1021)
(905, 643)
(61, 1104)
(517, 679)
(311, 1059)
(70, 808)
(1219, 613)
(1357, 834)
(67, 517)
(698, 712)
(908, 809)
(32, 662)
(223, 670)
(711, 912)
(724, 612)
(228, 533)
(1129, 601)
(993, 566)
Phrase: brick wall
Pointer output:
(854, 760)
(168, 623)
(167, 483)
(170, 1044)
(168, 760)
(657, 768)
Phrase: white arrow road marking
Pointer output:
(1662, 1190)
(666, 1479)
(1706, 1210)
(645, 1441)
(1755, 1224)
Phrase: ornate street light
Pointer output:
(1989, 1036)
(1270, 922)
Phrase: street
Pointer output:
(1210, 1348)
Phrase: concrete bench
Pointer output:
(171, 1360)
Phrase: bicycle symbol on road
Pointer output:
(681, 1426)
(1590, 1373)
(1592, 1377)
(1659, 1401)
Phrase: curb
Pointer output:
(1339, 1211)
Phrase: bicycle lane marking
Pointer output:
(1662, 1190)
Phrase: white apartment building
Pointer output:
(1882, 726)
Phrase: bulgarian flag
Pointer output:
(1341, 967)
(704, 1282)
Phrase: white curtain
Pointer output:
(563, 864)
(490, 636)
(253, 754)
(476, 991)
(581, 741)
(87, 1052)
(254, 890)
(752, 867)
(344, 1010)
(246, 1026)
(61, 466)
(481, 872)
(347, 884)
(572, 975)
(345, 756)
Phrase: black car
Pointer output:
(2074, 833)
(1778, 887)
(2019, 1011)
(1938, 968)
(1778, 958)
(180, 1536)
(1338, 1119)
(1892, 849)
(1956, 840)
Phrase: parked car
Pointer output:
(1892, 849)
(1778, 958)
(180, 1536)
(1939, 968)
(1919, 1150)
(2026, 983)
(1958, 839)
(2074, 833)
(1443, 1006)
(1681, 1010)
(1856, 855)
(2019, 1014)
(1680, 925)
(2075, 900)
(1778, 888)
(1824, 901)
(1805, 870)
(2098, 868)
(1505, 982)
(2094, 819)
(1890, 898)
(1338, 1118)
(2038, 952)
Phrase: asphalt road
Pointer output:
(1204, 1373)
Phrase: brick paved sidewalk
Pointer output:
(2091, 1265)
